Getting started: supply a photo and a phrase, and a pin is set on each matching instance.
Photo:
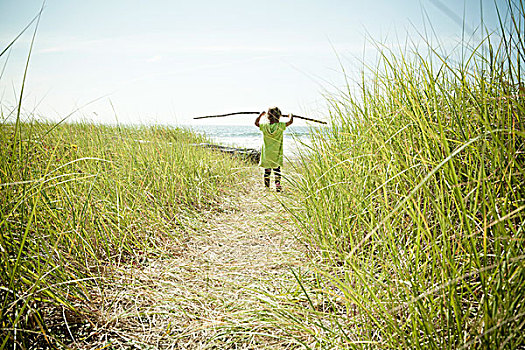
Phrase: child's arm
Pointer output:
(259, 118)
(290, 122)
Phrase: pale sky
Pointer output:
(161, 61)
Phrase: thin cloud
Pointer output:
(75, 45)
(157, 47)
(155, 59)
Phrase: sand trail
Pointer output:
(207, 293)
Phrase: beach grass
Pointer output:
(410, 209)
(79, 200)
(413, 204)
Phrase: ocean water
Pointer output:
(249, 136)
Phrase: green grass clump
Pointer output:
(79, 199)
(415, 206)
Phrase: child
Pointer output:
(272, 150)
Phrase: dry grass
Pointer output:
(207, 293)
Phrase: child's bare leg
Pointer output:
(267, 173)
(277, 173)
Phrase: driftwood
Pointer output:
(249, 154)
(228, 114)
(225, 115)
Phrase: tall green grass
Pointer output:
(80, 199)
(414, 205)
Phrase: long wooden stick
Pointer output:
(228, 114)
(309, 119)
(225, 115)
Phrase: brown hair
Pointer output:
(274, 114)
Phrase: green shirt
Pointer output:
(272, 150)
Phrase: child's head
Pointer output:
(274, 114)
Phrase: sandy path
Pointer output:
(208, 294)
